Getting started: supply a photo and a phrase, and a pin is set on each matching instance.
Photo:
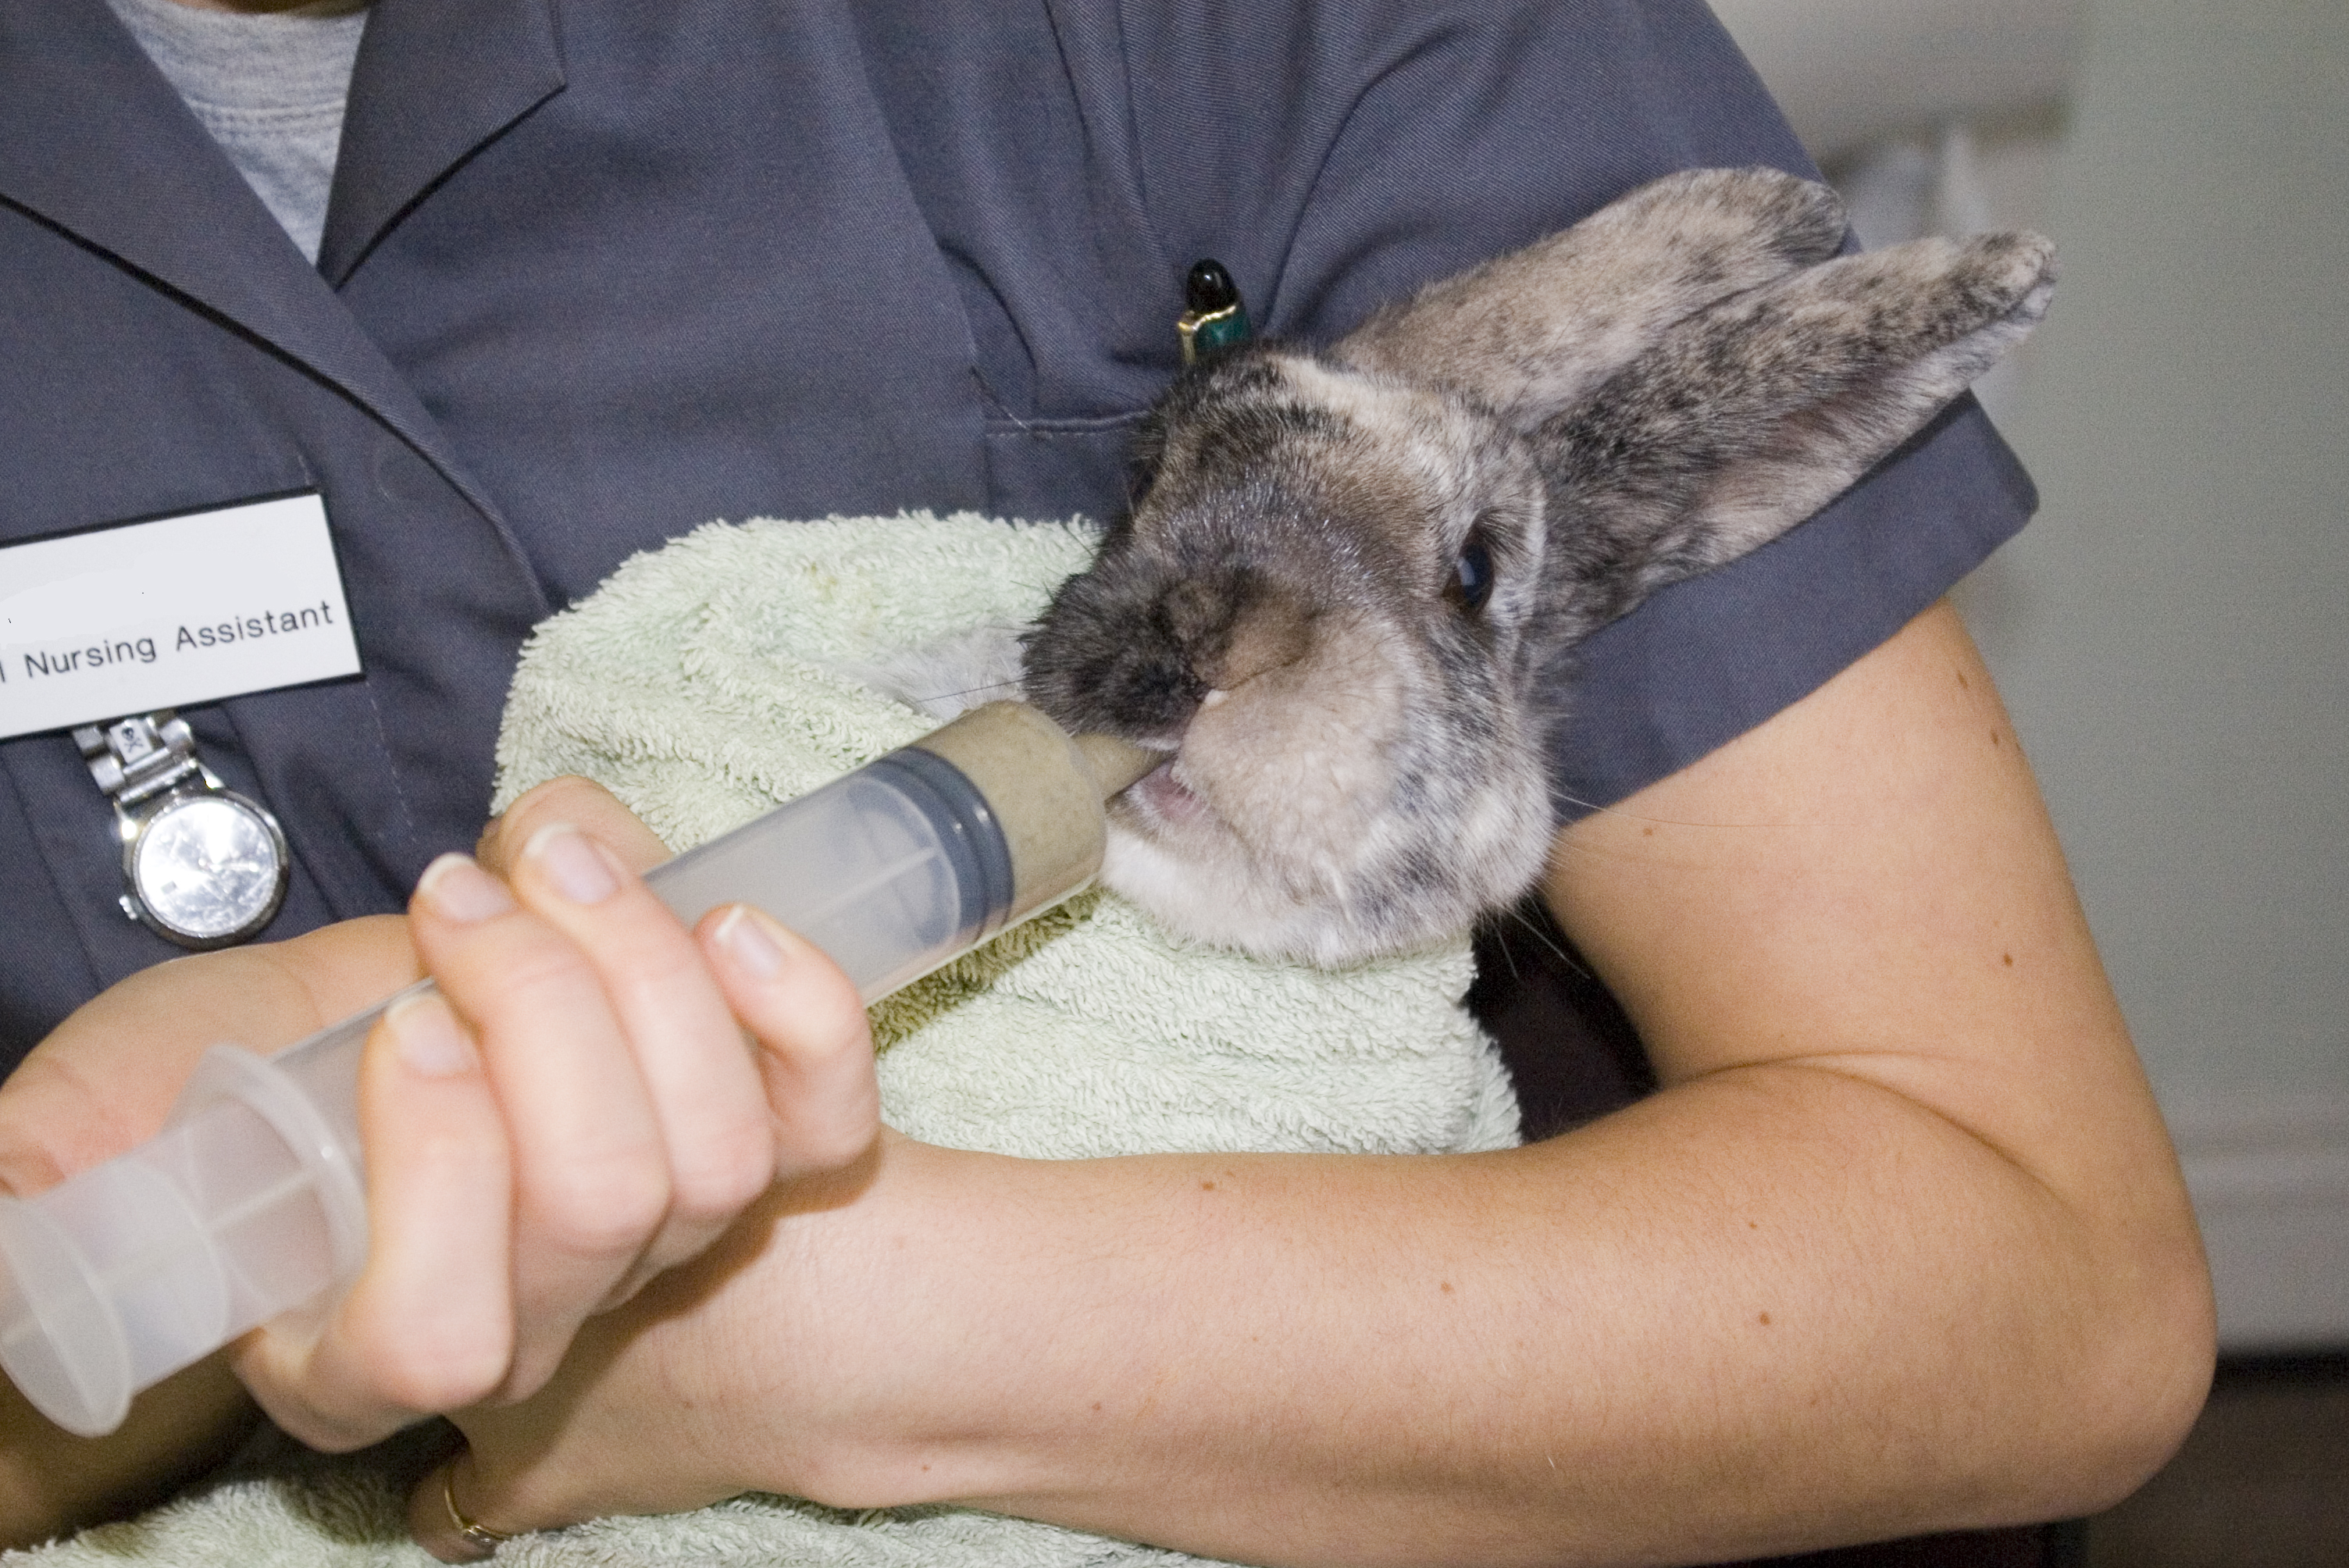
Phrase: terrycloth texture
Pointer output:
(705, 683)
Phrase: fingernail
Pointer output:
(578, 872)
(742, 935)
(463, 891)
(431, 1043)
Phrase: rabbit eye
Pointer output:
(1471, 578)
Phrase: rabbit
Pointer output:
(1346, 600)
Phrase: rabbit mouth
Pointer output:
(1165, 798)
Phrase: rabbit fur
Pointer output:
(1346, 600)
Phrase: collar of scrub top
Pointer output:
(148, 185)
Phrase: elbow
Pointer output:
(2149, 1346)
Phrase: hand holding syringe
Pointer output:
(250, 1203)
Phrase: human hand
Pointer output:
(746, 1368)
(102, 1082)
(574, 1111)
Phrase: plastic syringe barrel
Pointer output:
(250, 1203)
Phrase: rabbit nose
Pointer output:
(1154, 692)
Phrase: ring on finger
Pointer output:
(474, 1533)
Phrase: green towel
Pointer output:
(719, 676)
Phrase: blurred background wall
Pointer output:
(2173, 633)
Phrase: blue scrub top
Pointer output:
(597, 272)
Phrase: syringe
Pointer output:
(249, 1203)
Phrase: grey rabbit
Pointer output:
(1353, 581)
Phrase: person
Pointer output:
(1897, 1246)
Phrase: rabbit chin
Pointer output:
(1196, 877)
(1217, 897)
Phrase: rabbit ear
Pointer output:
(1528, 333)
(1744, 420)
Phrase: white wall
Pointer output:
(1848, 72)
(2173, 633)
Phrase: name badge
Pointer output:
(169, 613)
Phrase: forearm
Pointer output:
(1760, 1313)
(1902, 1246)
(1905, 1123)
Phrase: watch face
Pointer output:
(208, 868)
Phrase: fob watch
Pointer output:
(202, 866)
